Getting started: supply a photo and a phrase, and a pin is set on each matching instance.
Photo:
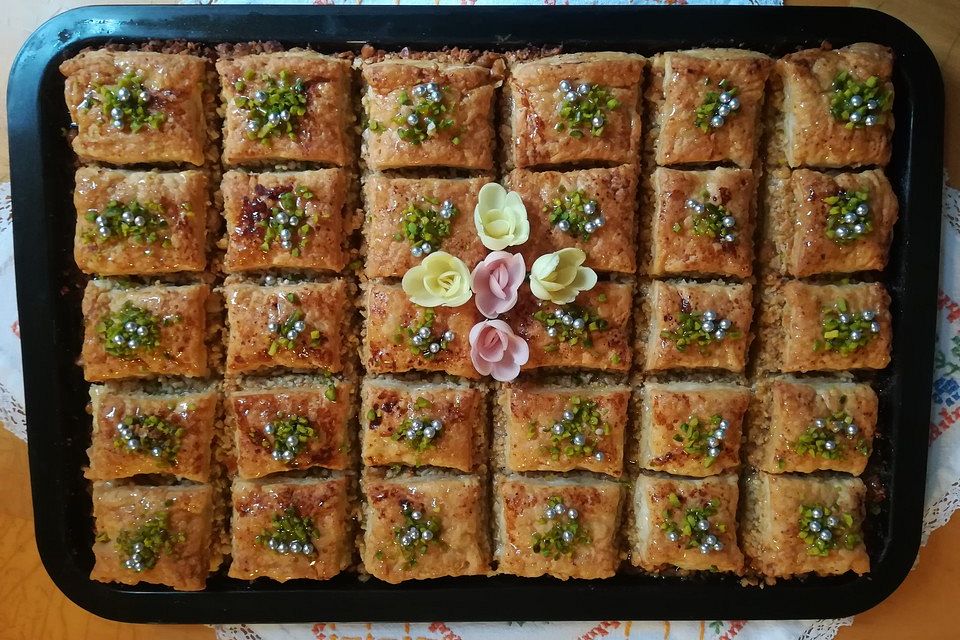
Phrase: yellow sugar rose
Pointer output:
(559, 276)
(500, 217)
(439, 280)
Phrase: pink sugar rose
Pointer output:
(496, 351)
(496, 281)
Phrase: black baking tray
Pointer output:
(48, 299)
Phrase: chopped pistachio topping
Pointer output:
(293, 330)
(419, 336)
(584, 107)
(130, 329)
(416, 534)
(710, 219)
(701, 329)
(141, 548)
(565, 534)
(426, 227)
(125, 104)
(289, 532)
(575, 213)
(149, 435)
(825, 528)
(846, 331)
(423, 116)
(138, 223)
(694, 527)
(825, 436)
(717, 105)
(288, 222)
(419, 430)
(859, 104)
(287, 435)
(703, 437)
(848, 218)
(274, 108)
(572, 324)
(577, 433)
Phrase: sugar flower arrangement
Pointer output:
(441, 279)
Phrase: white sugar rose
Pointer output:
(500, 217)
(560, 276)
(439, 280)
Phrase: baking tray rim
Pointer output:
(456, 598)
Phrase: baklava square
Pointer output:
(135, 222)
(289, 105)
(563, 209)
(593, 332)
(813, 425)
(698, 325)
(837, 106)
(426, 113)
(427, 527)
(711, 104)
(160, 535)
(574, 108)
(691, 429)
(137, 107)
(423, 424)
(703, 222)
(686, 523)
(296, 220)
(794, 525)
(291, 424)
(296, 326)
(394, 340)
(285, 529)
(141, 332)
(405, 216)
(834, 327)
(555, 428)
(561, 527)
(839, 223)
(135, 432)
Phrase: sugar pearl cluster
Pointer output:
(824, 528)
(717, 107)
(289, 533)
(846, 331)
(704, 437)
(125, 103)
(575, 213)
(565, 533)
(583, 106)
(694, 526)
(578, 430)
(419, 431)
(848, 217)
(430, 343)
(423, 234)
(289, 434)
(712, 220)
(416, 533)
(858, 104)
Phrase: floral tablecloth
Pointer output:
(943, 483)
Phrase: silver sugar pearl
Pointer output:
(713, 452)
(416, 515)
(427, 535)
(419, 90)
(703, 524)
(294, 547)
(713, 441)
(568, 415)
(565, 86)
(710, 539)
(550, 513)
(292, 441)
(832, 521)
(704, 548)
(863, 209)
(725, 97)
(436, 424)
(552, 332)
(579, 440)
(285, 115)
(273, 117)
(734, 104)
(599, 221)
(599, 456)
(814, 526)
(281, 548)
(875, 327)
(252, 126)
(285, 234)
(570, 96)
(723, 111)
(709, 315)
(416, 424)
(855, 116)
(116, 113)
(829, 445)
(423, 332)
(816, 512)
(584, 88)
(156, 451)
(123, 94)
(307, 549)
(287, 455)
(718, 546)
(719, 435)
(130, 326)
(589, 228)
(411, 434)
(299, 325)
(855, 335)
(273, 327)
(413, 119)
(590, 208)
(426, 247)
(117, 124)
(826, 535)
(858, 229)
(708, 326)
(434, 347)
(856, 101)
(729, 222)
(579, 323)
(276, 455)
(558, 314)
(719, 334)
(870, 120)
(850, 218)
(852, 430)
(269, 280)
(597, 121)
(268, 428)
(691, 203)
(294, 221)
(567, 319)
(673, 536)
(133, 443)
(568, 536)
(142, 331)
(415, 251)
(873, 105)
(563, 225)
(725, 325)
(133, 343)
(429, 433)
(260, 97)
(844, 318)
(868, 315)
(572, 513)
(448, 335)
(716, 122)
(558, 428)
(292, 334)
